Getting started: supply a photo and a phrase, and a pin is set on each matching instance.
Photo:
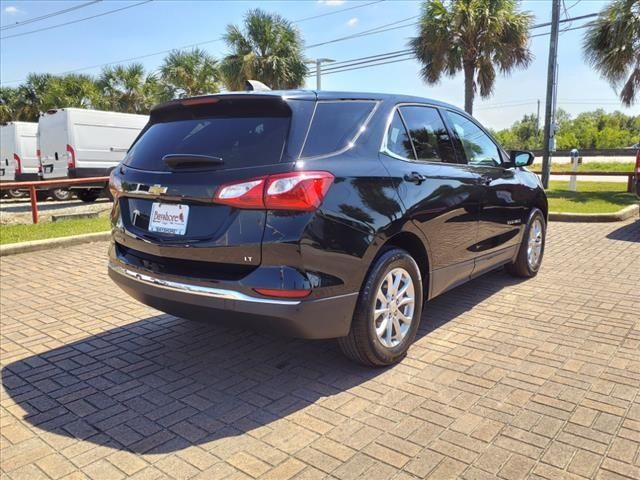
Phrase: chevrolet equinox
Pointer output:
(319, 214)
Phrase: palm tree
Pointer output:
(30, 97)
(612, 46)
(129, 88)
(186, 74)
(269, 50)
(475, 37)
(73, 90)
(8, 100)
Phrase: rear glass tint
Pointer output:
(334, 125)
(241, 141)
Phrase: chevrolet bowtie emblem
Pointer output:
(157, 189)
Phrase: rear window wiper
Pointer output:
(187, 161)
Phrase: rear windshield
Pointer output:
(335, 125)
(240, 141)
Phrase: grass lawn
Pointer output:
(64, 228)
(591, 197)
(588, 167)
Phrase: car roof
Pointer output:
(322, 95)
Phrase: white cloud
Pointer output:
(332, 3)
(11, 10)
(352, 22)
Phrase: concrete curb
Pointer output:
(36, 245)
(627, 212)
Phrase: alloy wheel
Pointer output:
(394, 307)
(534, 245)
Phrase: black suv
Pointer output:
(318, 214)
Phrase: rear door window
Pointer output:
(398, 141)
(239, 141)
(429, 135)
(335, 125)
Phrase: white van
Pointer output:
(81, 143)
(18, 157)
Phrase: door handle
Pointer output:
(415, 177)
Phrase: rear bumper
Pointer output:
(88, 173)
(314, 319)
(28, 177)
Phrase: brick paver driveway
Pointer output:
(535, 379)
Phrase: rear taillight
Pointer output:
(39, 156)
(300, 191)
(18, 163)
(72, 157)
(638, 164)
(246, 194)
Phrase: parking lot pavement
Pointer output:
(535, 379)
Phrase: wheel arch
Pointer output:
(415, 246)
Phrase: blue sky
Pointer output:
(166, 24)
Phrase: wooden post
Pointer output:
(34, 203)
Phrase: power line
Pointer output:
(74, 21)
(375, 30)
(371, 31)
(335, 12)
(368, 66)
(48, 15)
(372, 60)
(153, 54)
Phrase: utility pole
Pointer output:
(538, 121)
(318, 62)
(549, 113)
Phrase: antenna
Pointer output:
(255, 86)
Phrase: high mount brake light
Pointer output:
(299, 191)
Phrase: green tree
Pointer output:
(129, 89)
(30, 97)
(73, 90)
(612, 46)
(8, 99)
(475, 37)
(269, 50)
(186, 74)
(596, 129)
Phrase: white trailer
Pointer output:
(18, 157)
(79, 143)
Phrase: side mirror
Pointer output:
(518, 158)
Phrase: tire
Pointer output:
(88, 196)
(363, 345)
(528, 263)
(60, 194)
(18, 193)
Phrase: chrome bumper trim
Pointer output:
(197, 289)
